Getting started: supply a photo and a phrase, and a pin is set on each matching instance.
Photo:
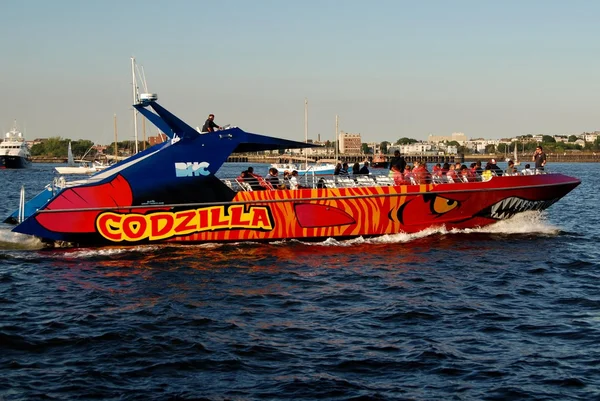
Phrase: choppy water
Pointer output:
(508, 312)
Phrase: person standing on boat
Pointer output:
(539, 157)
(398, 161)
(210, 125)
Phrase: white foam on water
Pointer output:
(84, 253)
(15, 241)
(533, 222)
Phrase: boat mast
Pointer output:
(336, 138)
(305, 132)
(135, 101)
(143, 79)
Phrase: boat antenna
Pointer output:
(142, 74)
(135, 101)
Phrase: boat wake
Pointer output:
(16, 241)
(526, 223)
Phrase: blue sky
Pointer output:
(389, 69)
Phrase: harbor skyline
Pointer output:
(388, 69)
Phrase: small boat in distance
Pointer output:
(14, 152)
(83, 167)
(515, 158)
(380, 161)
(311, 168)
(172, 192)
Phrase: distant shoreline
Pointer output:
(552, 158)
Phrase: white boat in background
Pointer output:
(84, 167)
(313, 168)
(100, 165)
(14, 152)
(515, 158)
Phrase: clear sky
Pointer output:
(389, 69)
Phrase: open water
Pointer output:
(507, 312)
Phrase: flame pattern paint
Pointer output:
(367, 207)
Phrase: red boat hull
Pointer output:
(303, 214)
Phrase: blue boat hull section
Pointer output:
(31, 206)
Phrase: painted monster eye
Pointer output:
(441, 205)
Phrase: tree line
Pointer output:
(58, 147)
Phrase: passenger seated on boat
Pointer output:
(487, 173)
(356, 169)
(365, 169)
(256, 182)
(451, 175)
(527, 170)
(344, 170)
(408, 175)
(466, 174)
(338, 168)
(397, 176)
(494, 167)
(294, 180)
(273, 179)
(511, 170)
(285, 183)
(421, 174)
(210, 125)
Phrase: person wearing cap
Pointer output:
(494, 167)
(209, 125)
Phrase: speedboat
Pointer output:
(14, 152)
(170, 193)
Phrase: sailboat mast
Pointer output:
(135, 101)
(144, 130)
(336, 138)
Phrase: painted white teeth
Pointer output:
(513, 205)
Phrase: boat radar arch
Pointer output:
(146, 98)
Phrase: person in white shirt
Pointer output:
(294, 180)
(527, 170)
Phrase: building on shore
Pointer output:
(350, 143)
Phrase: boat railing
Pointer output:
(375, 180)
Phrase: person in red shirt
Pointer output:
(453, 177)
(397, 176)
